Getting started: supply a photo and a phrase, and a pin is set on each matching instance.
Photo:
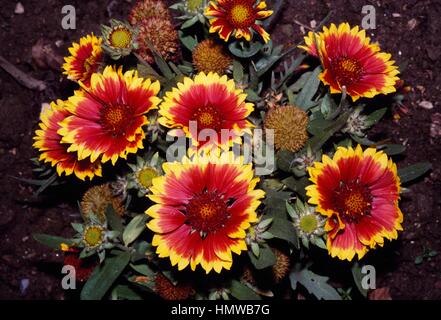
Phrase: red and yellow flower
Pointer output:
(203, 207)
(108, 117)
(352, 62)
(358, 192)
(48, 142)
(211, 102)
(237, 17)
(85, 59)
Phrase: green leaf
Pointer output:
(375, 116)
(319, 125)
(328, 107)
(289, 71)
(285, 159)
(52, 242)
(244, 50)
(160, 62)
(266, 63)
(358, 276)
(190, 22)
(252, 96)
(189, 41)
(144, 270)
(304, 99)
(113, 219)
(104, 276)
(283, 229)
(315, 284)
(300, 83)
(242, 292)
(414, 171)
(146, 71)
(319, 242)
(255, 249)
(265, 259)
(134, 228)
(275, 203)
(319, 140)
(363, 141)
(124, 292)
(419, 260)
(78, 227)
(393, 149)
(238, 71)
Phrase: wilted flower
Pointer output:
(160, 33)
(169, 291)
(290, 127)
(210, 56)
(146, 9)
(97, 199)
(282, 267)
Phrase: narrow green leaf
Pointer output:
(160, 62)
(413, 172)
(317, 126)
(143, 269)
(297, 185)
(319, 140)
(275, 203)
(190, 22)
(265, 259)
(113, 219)
(104, 276)
(52, 242)
(238, 71)
(376, 116)
(255, 249)
(284, 160)
(304, 99)
(242, 292)
(134, 228)
(123, 292)
(244, 50)
(252, 96)
(189, 41)
(393, 149)
(283, 229)
(358, 276)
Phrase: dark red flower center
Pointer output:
(241, 14)
(208, 117)
(207, 212)
(352, 200)
(115, 118)
(346, 70)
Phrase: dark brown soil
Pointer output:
(408, 29)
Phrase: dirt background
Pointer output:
(408, 29)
